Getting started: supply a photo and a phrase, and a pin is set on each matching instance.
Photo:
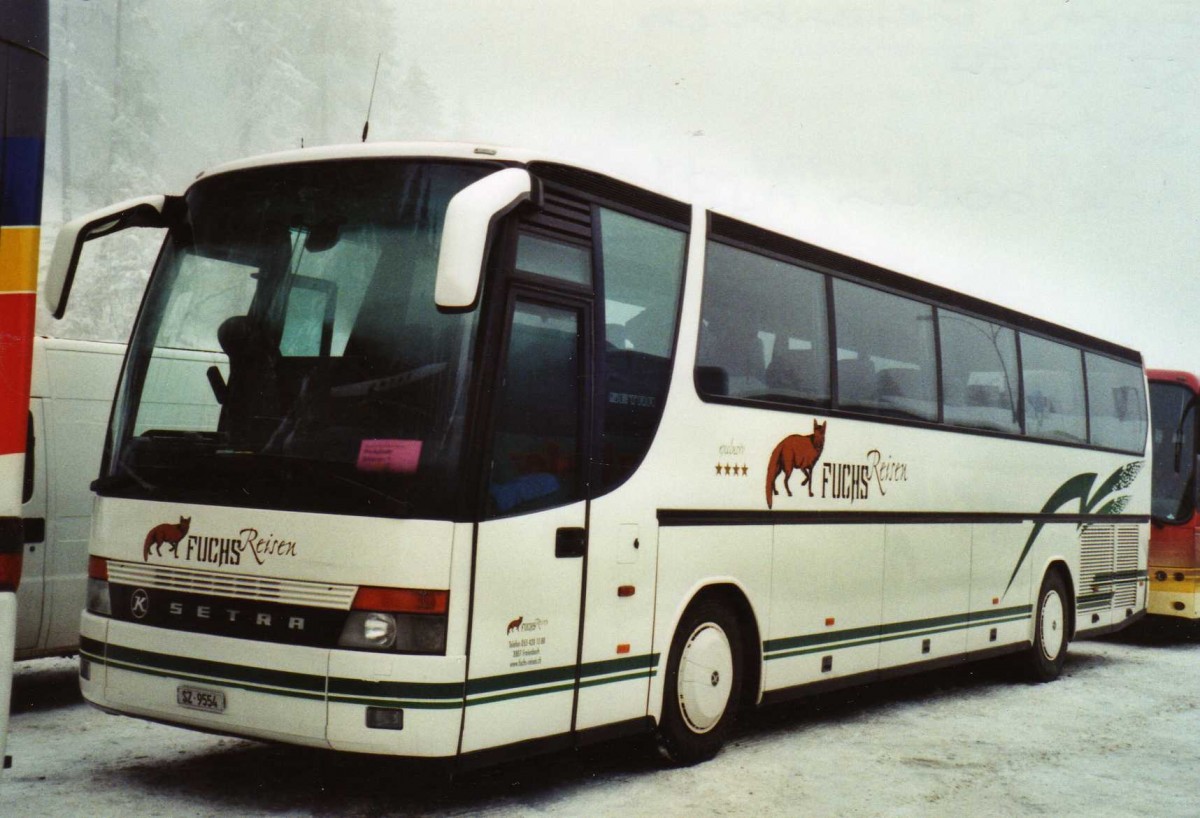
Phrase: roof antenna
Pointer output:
(371, 101)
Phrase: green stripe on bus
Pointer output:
(892, 637)
(529, 678)
(427, 695)
(520, 694)
(240, 674)
(343, 687)
(647, 673)
(854, 637)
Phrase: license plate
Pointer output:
(196, 698)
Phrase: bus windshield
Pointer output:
(1173, 485)
(289, 353)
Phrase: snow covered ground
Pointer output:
(1118, 735)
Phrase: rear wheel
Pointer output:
(703, 683)
(1045, 658)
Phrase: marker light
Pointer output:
(401, 600)
(10, 571)
(98, 599)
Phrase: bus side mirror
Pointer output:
(144, 212)
(467, 234)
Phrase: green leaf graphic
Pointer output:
(1115, 506)
(1077, 488)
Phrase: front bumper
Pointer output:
(298, 695)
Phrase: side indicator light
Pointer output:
(98, 568)
(626, 590)
(829, 620)
(10, 571)
(623, 647)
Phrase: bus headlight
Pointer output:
(369, 629)
(98, 599)
(398, 619)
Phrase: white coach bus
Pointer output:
(499, 455)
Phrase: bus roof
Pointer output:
(386, 150)
(1174, 376)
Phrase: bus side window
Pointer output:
(535, 454)
(1052, 374)
(1116, 403)
(979, 373)
(886, 358)
(764, 333)
(643, 273)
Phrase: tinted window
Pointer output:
(1116, 404)
(289, 353)
(886, 360)
(643, 271)
(1053, 377)
(979, 373)
(764, 333)
(535, 458)
(557, 259)
(1172, 486)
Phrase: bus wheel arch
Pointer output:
(713, 670)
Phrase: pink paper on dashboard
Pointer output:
(399, 456)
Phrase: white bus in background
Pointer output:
(70, 400)
(497, 455)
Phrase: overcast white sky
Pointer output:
(1039, 154)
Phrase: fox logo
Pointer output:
(515, 624)
(169, 533)
(795, 452)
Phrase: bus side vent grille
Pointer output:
(236, 586)
(562, 216)
(1126, 565)
(608, 191)
(1097, 544)
(1108, 563)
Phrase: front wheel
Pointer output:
(1045, 658)
(703, 684)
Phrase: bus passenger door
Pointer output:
(531, 547)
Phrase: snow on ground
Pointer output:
(1118, 735)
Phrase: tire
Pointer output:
(703, 684)
(1046, 656)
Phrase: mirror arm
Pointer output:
(147, 211)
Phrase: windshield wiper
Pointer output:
(127, 475)
(321, 469)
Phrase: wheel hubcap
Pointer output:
(705, 677)
(1052, 625)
